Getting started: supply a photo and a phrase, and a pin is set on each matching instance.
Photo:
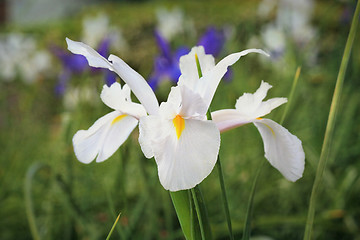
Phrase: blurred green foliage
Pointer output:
(71, 200)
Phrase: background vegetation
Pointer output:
(44, 187)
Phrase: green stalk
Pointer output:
(287, 107)
(247, 225)
(224, 198)
(29, 207)
(201, 213)
(193, 219)
(330, 124)
(113, 227)
(198, 212)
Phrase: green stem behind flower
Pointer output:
(29, 208)
(247, 226)
(287, 107)
(201, 213)
(182, 204)
(224, 198)
(330, 124)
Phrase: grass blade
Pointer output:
(291, 96)
(113, 227)
(247, 226)
(330, 124)
(28, 199)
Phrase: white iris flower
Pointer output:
(109, 132)
(177, 134)
(282, 149)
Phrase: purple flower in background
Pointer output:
(213, 41)
(77, 64)
(166, 65)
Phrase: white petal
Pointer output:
(251, 101)
(252, 105)
(137, 83)
(185, 102)
(116, 136)
(227, 119)
(185, 162)
(172, 105)
(192, 105)
(94, 58)
(103, 138)
(211, 79)
(119, 99)
(188, 66)
(282, 149)
(149, 131)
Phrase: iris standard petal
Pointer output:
(282, 149)
(99, 139)
(252, 105)
(211, 79)
(192, 104)
(137, 83)
(119, 99)
(185, 161)
(188, 67)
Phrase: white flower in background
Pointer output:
(295, 18)
(177, 134)
(95, 29)
(266, 7)
(20, 56)
(274, 40)
(172, 22)
(292, 23)
(109, 132)
(282, 149)
(75, 96)
(37, 64)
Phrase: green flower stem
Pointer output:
(201, 213)
(198, 212)
(330, 124)
(247, 225)
(192, 216)
(287, 107)
(29, 207)
(224, 198)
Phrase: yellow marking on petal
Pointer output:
(272, 131)
(179, 124)
(118, 118)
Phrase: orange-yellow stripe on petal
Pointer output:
(118, 118)
(272, 130)
(179, 124)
